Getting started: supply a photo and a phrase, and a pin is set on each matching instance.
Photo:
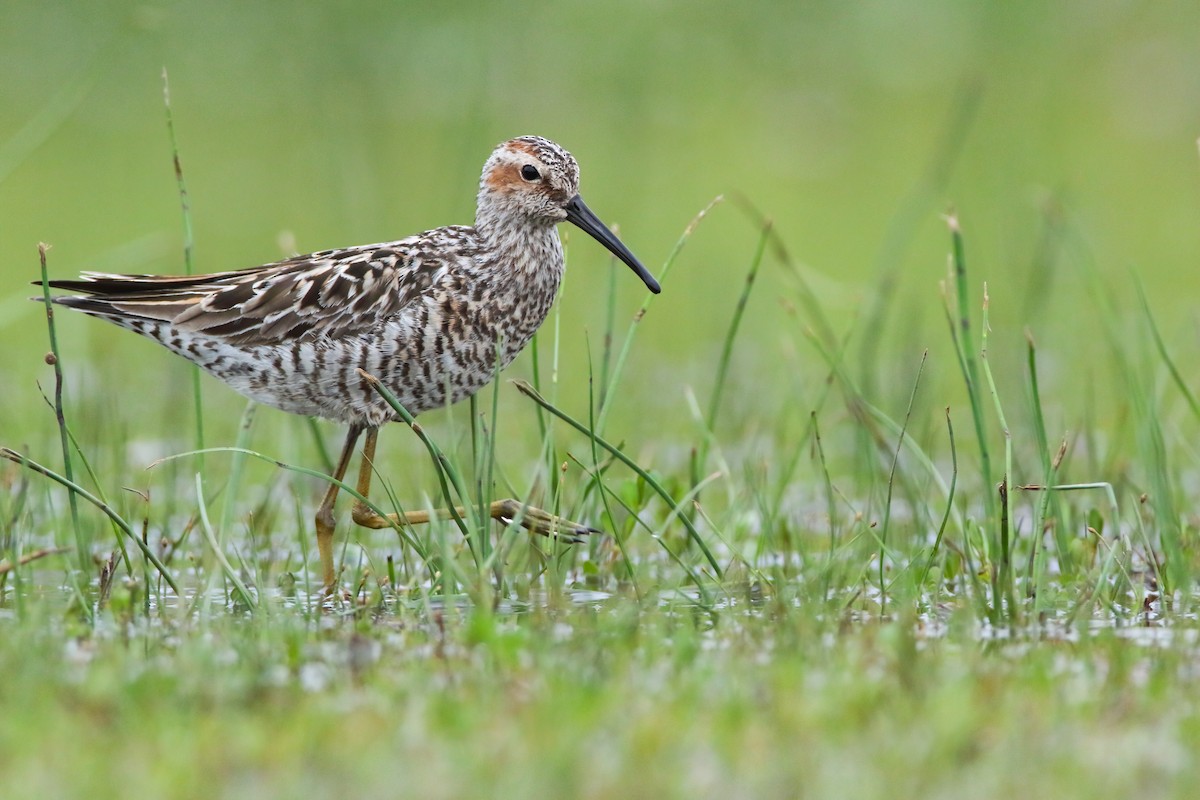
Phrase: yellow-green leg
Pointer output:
(530, 518)
(325, 519)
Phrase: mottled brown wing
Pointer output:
(331, 294)
(334, 293)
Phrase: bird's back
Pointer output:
(424, 314)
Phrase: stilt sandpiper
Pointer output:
(432, 317)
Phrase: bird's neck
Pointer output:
(521, 273)
(523, 245)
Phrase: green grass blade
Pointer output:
(211, 538)
(188, 248)
(529, 392)
(99, 490)
(965, 341)
(314, 429)
(808, 298)
(714, 402)
(937, 542)
(905, 222)
(1161, 347)
(76, 489)
(236, 467)
(446, 470)
(610, 391)
(1005, 573)
(599, 478)
(887, 506)
(82, 545)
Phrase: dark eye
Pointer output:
(529, 172)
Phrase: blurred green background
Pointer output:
(854, 126)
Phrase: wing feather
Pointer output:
(332, 293)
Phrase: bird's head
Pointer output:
(537, 181)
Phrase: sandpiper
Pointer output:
(430, 316)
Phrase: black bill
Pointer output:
(579, 214)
